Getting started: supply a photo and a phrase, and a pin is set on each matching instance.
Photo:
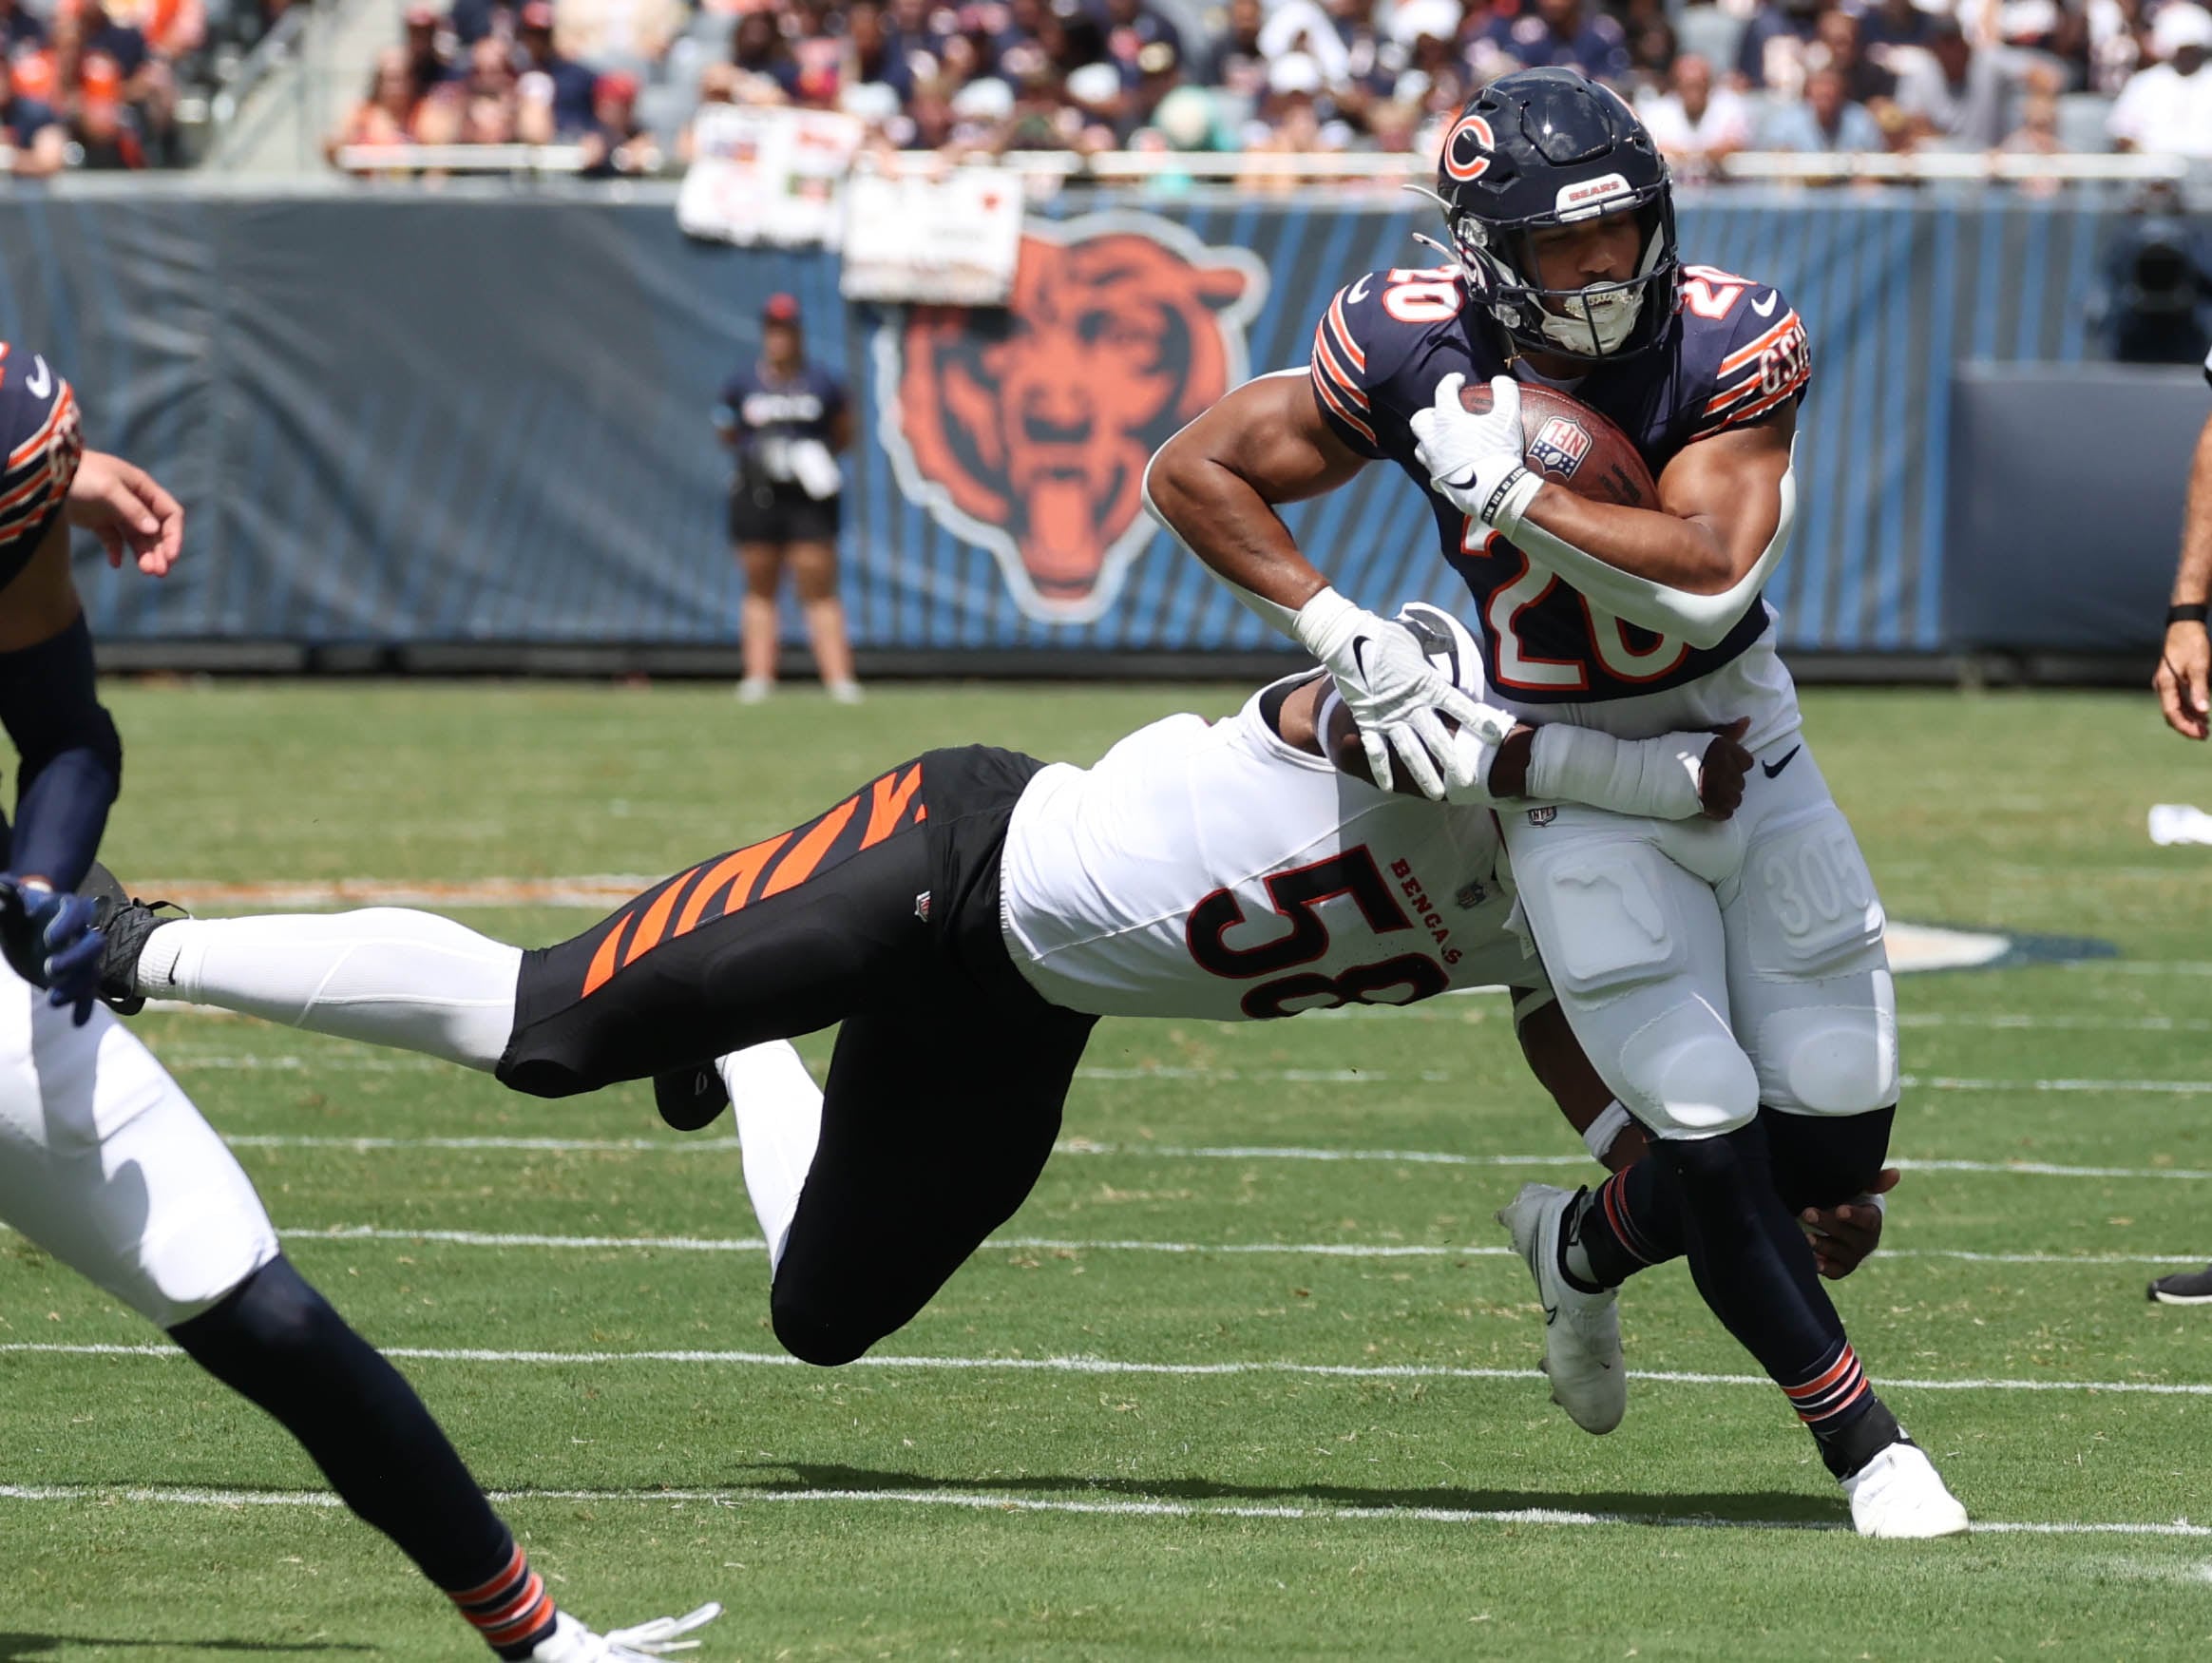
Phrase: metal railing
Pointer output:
(1137, 167)
(532, 160)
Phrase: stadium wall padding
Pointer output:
(402, 418)
(2076, 552)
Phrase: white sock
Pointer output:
(779, 1123)
(386, 976)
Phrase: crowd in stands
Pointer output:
(492, 74)
(620, 77)
(94, 84)
(99, 85)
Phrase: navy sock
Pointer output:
(1628, 1223)
(1755, 1270)
(277, 1343)
(1634, 1220)
(509, 1608)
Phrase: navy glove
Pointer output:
(49, 942)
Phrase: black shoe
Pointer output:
(690, 1099)
(2184, 1288)
(126, 923)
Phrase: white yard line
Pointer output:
(1083, 1146)
(2079, 1024)
(178, 1059)
(1292, 1076)
(158, 1495)
(2043, 1169)
(183, 1059)
(672, 1145)
(1326, 1249)
(2101, 1087)
(605, 891)
(2142, 967)
(1099, 1366)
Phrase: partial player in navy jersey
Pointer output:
(1732, 991)
(104, 1162)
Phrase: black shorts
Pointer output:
(950, 1071)
(765, 513)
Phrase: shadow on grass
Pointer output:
(1751, 1508)
(30, 1646)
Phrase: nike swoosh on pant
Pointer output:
(1771, 769)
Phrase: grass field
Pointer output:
(1209, 1396)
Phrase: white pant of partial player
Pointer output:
(1710, 968)
(106, 1164)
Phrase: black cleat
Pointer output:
(126, 923)
(2183, 1288)
(690, 1099)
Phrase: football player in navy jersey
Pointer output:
(104, 1162)
(1732, 989)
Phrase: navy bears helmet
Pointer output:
(1544, 147)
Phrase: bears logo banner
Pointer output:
(1027, 430)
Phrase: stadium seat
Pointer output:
(687, 59)
(1711, 33)
(664, 108)
(713, 31)
(2081, 122)
(612, 61)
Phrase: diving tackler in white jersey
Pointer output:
(967, 917)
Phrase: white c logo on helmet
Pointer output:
(1467, 148)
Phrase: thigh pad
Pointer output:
(1809, 906)
(1603, 913)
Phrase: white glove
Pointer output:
(1476, 462)
(1399, 698)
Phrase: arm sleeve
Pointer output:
(1703, 620)
(1747, 355)
(1339, 369)
(73, 757)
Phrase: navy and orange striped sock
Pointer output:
(511, 1608)
(1838, 1407)
(1623, 1226)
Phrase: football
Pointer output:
(1572, 446)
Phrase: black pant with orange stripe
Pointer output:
(949, 1073)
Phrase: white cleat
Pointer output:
(571, 1642)
(1582, 1331)
(1900, 1497)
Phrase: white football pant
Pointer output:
(106, 1164)
(1711, 967)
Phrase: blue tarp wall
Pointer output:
(415, 420)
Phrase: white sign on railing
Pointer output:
(952, 238)
(767, 174)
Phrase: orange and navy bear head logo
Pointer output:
(1027, 430)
